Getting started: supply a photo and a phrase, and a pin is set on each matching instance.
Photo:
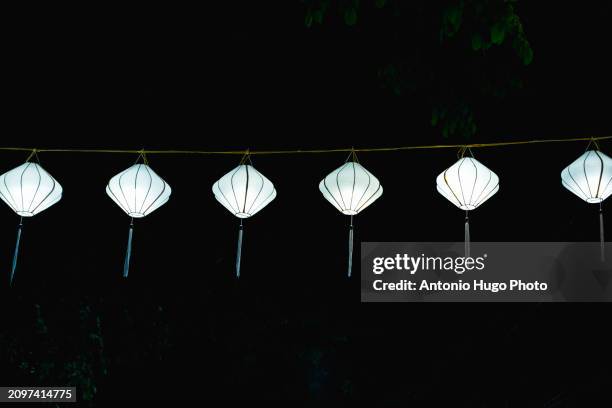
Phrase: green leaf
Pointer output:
(528, 56)
(476, 42)
(380, 3)
(350, 16)
(434, 117)
(318, 16)
(498, 33)
(308, 19)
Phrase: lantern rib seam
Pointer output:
(6, 201)
(579, 193)
(136, 189)
(460, 183)
(477, 202)
(357, 207)
(572, 189)
(127, 204)
(338, 184)
(263, 183)
(37, 188)
(156, 198)
(475, 180)
(489, 194)
(450, 188)
(606, 189)
(246, 190)
(265, 202)
(331, 195)
(21, 184)
(110, 190)
(47, 196)
(575, 182)
(600, 173)
(148, 190)
(237, 210)
(9, 191)
(224, 197)
(370, 198)
(586, 178)
(353, 188)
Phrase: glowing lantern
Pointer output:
(351, 189)
(468, 183)
(244, 192)
(28, 190)
(138, 191)
(590, 178)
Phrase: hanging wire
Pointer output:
(247, 153)
(352, 156)
(592, 141)
(246, 158)
(33, 154)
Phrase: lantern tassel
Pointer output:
(602, 241)
(239, 250)
(16, 253)
(128, 253)
(350, 248)
(467, 235)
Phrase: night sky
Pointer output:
(292, 329)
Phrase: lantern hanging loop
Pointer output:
(142, 154)
(33, 154)
(246, 158)
(352, 156)
(593, 142)
(463, 150)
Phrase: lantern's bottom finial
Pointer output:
(239, 249)
(128, 252)
(16, 253)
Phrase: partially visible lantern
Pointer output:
(467, 184)
(244, 191)
(138, 191)
(351, 188)
(28, 189)
(590, 178)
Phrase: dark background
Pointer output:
(292, 329)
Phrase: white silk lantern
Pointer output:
(590, 178)
(351, 188)
(467, 184)
(244, 191)
(28, 190)
(138, 191)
